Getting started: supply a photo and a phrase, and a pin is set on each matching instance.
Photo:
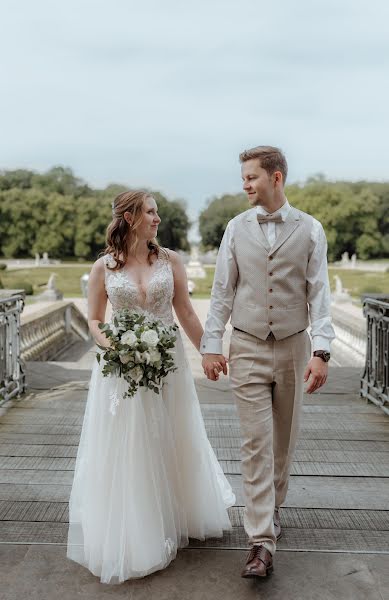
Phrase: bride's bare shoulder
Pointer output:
(173, 256)
(99, 266)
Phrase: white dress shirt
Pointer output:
(226, 273)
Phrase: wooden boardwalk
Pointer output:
(338, 499)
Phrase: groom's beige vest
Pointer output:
(271, 291)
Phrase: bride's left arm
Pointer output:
(182, 304)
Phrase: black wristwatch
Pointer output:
(323, 355)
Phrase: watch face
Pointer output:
(323, 355)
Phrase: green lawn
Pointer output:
(360, 282)
(356, 282)
(68, 280)
(204, 286)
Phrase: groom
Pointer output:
(271, 278)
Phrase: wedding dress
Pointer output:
(146, 478)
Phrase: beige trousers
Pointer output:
(267, 380)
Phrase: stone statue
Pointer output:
(338, 285)
(340, 294)
(345, 259)
(51, 282)
(194, 253)
(353, 261)
(37, 259)
(194, 268)
(51, 293)
(84, 284)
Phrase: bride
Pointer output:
(146, 478)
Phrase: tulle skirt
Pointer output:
(146, 478)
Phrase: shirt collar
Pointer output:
(283, 211)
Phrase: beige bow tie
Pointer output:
(274, 218)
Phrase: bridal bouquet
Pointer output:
(141, 350)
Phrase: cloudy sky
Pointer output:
(165, 94)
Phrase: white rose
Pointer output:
(129, 338)
(150, 337)
(136, 374)
(155, 356)
(124, 358)
(138, 356)
(145, 356)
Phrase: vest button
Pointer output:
(270, 306)
(270, 258)
(271, 273)
(270, 322)
(270, 289)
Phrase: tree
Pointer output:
(21, 178)
(58, 213)
(22, 214)
(175, 224)
(92, 218)
(355, 215)
(213, 220)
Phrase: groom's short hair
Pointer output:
(272, 159)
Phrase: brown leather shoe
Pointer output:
(277, 524)
(259, 563)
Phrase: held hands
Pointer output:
(316, 372)
(213, 364)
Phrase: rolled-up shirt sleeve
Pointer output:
(222, 295)
(318, 291)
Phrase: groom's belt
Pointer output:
(270, 336)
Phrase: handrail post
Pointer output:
(12, 375)
(375, 379)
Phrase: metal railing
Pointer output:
(12, 377)
(375, 379)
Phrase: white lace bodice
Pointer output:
(155, 301)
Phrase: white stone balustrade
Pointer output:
(349, 347)
(51, 329)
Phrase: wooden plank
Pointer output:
(16, 532)
(56, 403)
(48, 493)
(317, 427)
(304, 492)
(355, 406)
(36, 462)
(377, 434)
(337, 540)
(342, 444)
(39, 438)
(233, 438)
(318, 518)
(349, 412)
(38, 477)
(312, 443)
(34, 511)
(292, 518)
(329, 492)
(35, 417)
(49, 410)
(309, 540)
(326, 456)
(322, 468)
(48, 450)
(47, 429)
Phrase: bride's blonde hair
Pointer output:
(119, 232)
